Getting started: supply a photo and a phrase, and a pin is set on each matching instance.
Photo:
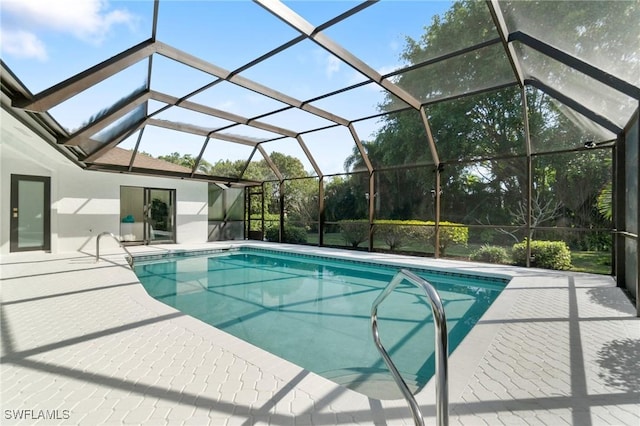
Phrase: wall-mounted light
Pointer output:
(366, 195)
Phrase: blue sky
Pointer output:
(47, 42)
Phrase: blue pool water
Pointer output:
(315, 311)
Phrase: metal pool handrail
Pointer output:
(129, 259)
(441, 343)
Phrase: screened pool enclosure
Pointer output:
(461, 129)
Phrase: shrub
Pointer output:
(491, 254)
(271, 233)
(292, 234)
(295, 235)
(423, 231)
(397, 232)
(354, 232)
(392, 233)
(544, 254)
(452, 233)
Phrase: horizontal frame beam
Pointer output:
(64, 90)
(195, 130)
(214, 112)
(115, 141)
(577, 64)
(199, 64)
(575, 105)
(168, 173)
(83, 134)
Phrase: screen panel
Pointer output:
(484, 68)
(238, 100)
(398, 138)
(599, 33)
(383, 49)
(46, 43)
(347, 210)
(332, 148)
(316, 72)
(175, 78)
(230, 42)
(289, 158)
(490, 192)
(101, 99)
(592, 94)
(480, 126)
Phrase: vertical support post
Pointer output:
(321, 214)
(372, 201)
(438, 189)
(529, 208)
(527, 142)
(262, 210)
(247, 213)
(618, 189)
(225, 210)
(637, 168)
(281, 195)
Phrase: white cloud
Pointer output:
(22, 44)
(225, 105)
(326, 61)
(355, 77)
(87, 20)
(332, 65)
(386, 69)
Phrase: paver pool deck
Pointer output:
(83, 342)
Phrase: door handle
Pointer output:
(15, 212)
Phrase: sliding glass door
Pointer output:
(147, 215)
(160, 215)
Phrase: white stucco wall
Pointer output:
(85, 203)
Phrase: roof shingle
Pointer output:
(122, 157)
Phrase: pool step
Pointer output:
(374, 383)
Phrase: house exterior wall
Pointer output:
(85, 203)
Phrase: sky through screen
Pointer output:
(45, 43)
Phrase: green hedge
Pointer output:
(544, 254)
(292, 234)
(354, 232)
(491, 254)
(399, 233)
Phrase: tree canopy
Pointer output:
(481, 141)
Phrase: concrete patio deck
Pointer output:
(83, 343)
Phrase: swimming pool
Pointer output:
(315, 311)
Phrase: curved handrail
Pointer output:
(129, 259)
(441, 343)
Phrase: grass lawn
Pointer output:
(595, 262)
